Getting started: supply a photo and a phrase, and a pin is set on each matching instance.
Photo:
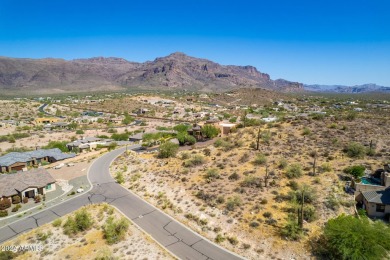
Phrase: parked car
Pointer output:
(70, 164)
(59, 166)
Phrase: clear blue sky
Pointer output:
(322, 41)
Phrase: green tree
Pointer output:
(57, 144)
(348, 237)
(356, 171)
(181, 128)
(167, 150)
(209, 131)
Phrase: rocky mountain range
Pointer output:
(174, 72)
(366, 88)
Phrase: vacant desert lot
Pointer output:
(220, 191)
(89, 244)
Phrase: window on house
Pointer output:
(48, 187)
(380, 208)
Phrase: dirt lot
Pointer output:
(223, 195)
(89, 244)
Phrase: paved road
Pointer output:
(177, 238)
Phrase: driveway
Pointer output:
(175, 237)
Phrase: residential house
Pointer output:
(26, 184)
(46, 120)
(16, 161)
(372, 192)
(137, 138)
(86, 143)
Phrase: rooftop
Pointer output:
(16, 182)
(15, 157)
(380, 197)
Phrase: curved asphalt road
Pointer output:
(175, 237)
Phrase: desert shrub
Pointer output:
(293, 185)
(25, 200)
(234, 176)
(244, 158)
(254, 224)
(57, 222)
(352, 115)
(115, 231)
(185, 156)
(233, 240)
(80, 222)
(355, 150)
(105, 254)
(251, 181)
(220, 200)
(8, 255)
(309, 194)
(294, 171)
(224, 144)
(212, 174)
(16, 208)
(37, 198)
(167, 150)
(291, 231)
(5, 204)
(263, 201)
(332, 203)
(119, 177)
(309, 213)
(3, 213)
(207, 152)
(282, 163)
(219, 238)
(16, 199)
(233, 202)
(260, 159)
(195, 160)
(306, 131)
(79, 132)
(356, 171)
(326, 167)
(42, 236)
(267, 214)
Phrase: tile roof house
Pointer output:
(16, 161)
(373, 194)
(377, 202)
(26, 184)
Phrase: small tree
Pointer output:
(209, 131)
(167, 150)
(348, 237)
(356, 171)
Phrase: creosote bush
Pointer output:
(115, 231)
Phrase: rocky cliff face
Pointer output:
(176, 71)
